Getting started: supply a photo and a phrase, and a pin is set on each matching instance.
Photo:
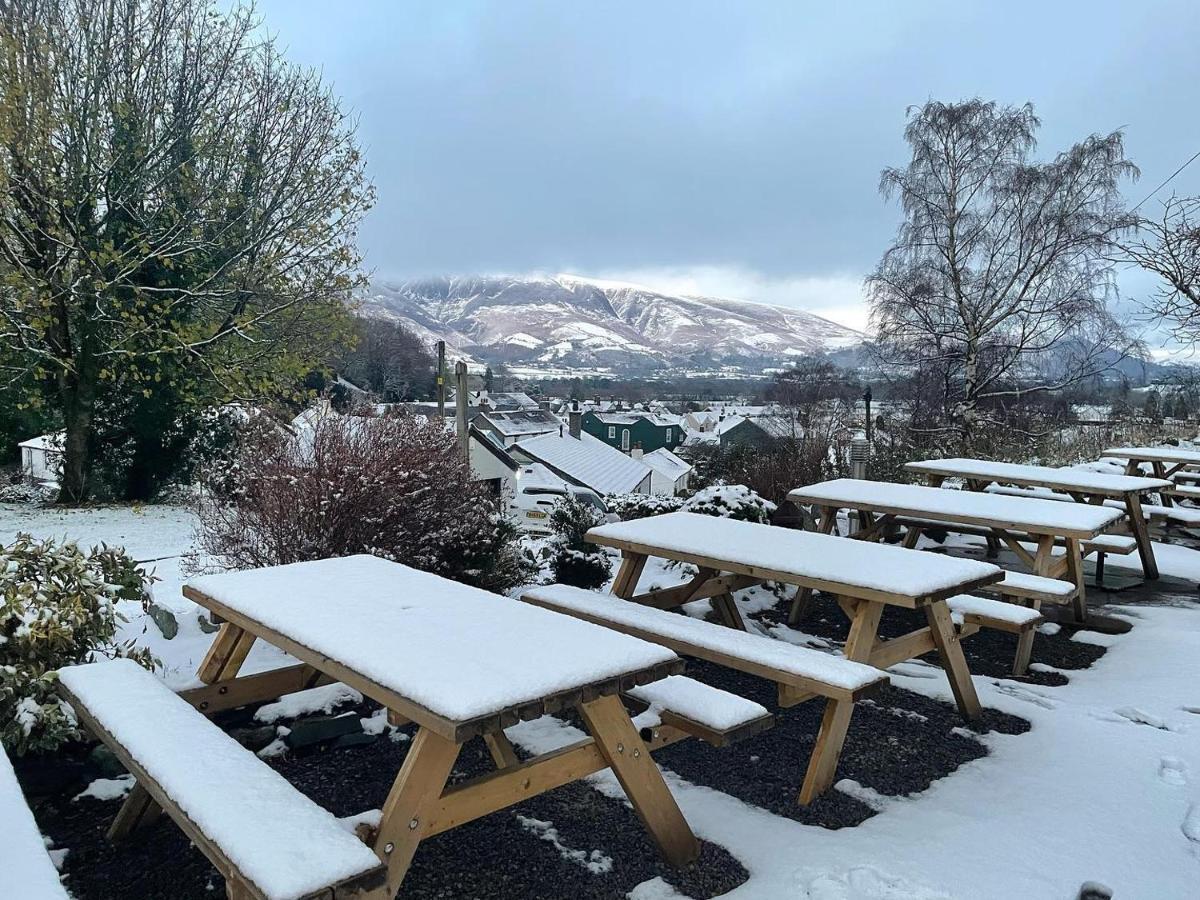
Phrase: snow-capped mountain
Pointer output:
(564, 321)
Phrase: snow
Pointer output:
(966, 605)
(667, 464)
(1155, 454)
(1085, 795)
(1027, 513)
(720, 710)
(803, 555)
(594, 861)
(1047, 476)
(28, 871)
(281, 841)
(1038, 583)
(107, 788)
(455, 650)
(706, 636)
(588, 461)
(325, 698)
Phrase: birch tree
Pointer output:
(178, 209)
(996, 286)
(1169, 246)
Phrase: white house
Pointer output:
(668, 473)
(41, 457)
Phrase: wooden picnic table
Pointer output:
(1164, 462)
(1080, 485)
(733, 555)
(1010, 519)
(458, 662)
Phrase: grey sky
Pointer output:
(725, 147)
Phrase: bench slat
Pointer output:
(1032, 587)
(246, 817)
(812, 670)
(28, 871)
(994, 613)
(709, 713)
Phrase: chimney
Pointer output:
(636, 452)
(574, 419)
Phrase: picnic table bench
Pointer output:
(1048, 523)
(801, 672)
(1164, 462)
(456, 661)
(731, 555)
(29, 873)
(1076, 484)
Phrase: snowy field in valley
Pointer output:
(1104, 788)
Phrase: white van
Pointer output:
(538, 489)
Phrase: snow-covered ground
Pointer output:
(1105, 787)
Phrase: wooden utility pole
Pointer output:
(441, 378)
(460, 406)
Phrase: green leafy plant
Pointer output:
(57, 608)
(572, 559)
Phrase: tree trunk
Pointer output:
(78, 396)
(968, 409)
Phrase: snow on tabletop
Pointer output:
(799, 661)
(966, 605)
(699, 702)
(282, 841)
(458, 651)
(803, 554)
(1154, 454)
(28, 870)
(1030, 513)
(1044, 475)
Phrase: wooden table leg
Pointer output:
(417, 790)
(502, 750)
(728, 610)
(632, 564)
(630, 761)
(138, 811)
(1141, 533)
(226, 654)
(863, 627)
(1160, 471)
(822, 766)
(953, 660)
(827, 519)
(1074, 561)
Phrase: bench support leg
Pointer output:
(630, 761)
(626, 582)
(1141, 533)
(138, 811)
(501, 748)
(413, 796)
(226, 654)
(955, 663)
(827, 519)
(1025, 644)
(822, 767)
(726, 607)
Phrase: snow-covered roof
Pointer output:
(803, 554)
(460, 652)
(667, 464)
(588, 461)
(511, 400)
(629, 418)
(535, 475)
(51, 443)
(525, 421)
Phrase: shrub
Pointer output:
(731, 501)
(639, 506)
(397, 487)
(57, 608)
(572, 559)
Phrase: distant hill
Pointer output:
(566, 322)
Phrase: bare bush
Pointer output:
(395, 487)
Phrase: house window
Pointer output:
(624, 438)
(668, 435)
(612, 431)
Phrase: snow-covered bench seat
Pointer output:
(26, 871)
(711, 714)
(801, 673)
(1009, 617)
(266, 838)
(1023, 586)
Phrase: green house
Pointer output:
(627, 430)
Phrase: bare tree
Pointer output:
(178, 207)
(389, 360)
(997, 282)
(1169, 246)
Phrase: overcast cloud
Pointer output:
(723, 148)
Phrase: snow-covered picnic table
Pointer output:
(1082, 486)
(1164, 462)
(865, 577)
(1012, 520)
(458, 662)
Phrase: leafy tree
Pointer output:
(178, 208)
(995, 285)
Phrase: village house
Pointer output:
(584, 460)
(510, 427)
(627, 430)
(41, 457)
(669, 475)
